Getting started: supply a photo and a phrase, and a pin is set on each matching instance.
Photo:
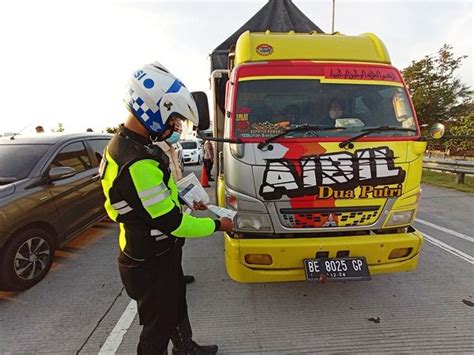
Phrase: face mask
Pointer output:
(174, 138)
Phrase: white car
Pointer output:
(192, 152)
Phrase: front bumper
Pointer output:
(288, 254)
(192, 159)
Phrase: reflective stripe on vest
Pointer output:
(159, 235)
(121, 207)
(148, 181)
(163, 195)
(153, 190)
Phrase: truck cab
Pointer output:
(322, 160)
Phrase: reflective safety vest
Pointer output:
(142, 197)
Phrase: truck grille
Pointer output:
(329, 217)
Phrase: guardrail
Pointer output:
(458, 167)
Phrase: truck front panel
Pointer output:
(316, 188)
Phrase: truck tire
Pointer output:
(26, 259)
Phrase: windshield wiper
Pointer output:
(304, 128)
(367, 131)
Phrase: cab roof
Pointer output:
(270, 46)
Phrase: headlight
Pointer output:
(253, 222)
(193, 152)
(400, 218)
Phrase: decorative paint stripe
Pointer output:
(308, 68)
(174, 87)
(322, 79)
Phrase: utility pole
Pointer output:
(333, 13)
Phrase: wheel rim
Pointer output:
(32, 258)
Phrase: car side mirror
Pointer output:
(203, 109)
(61, 172)
(437, 131)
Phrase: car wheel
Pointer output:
(26, 259)
(199, 160)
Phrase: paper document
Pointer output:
(190, 190)
(222, 212)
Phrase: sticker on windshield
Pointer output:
(243, 126)
(262, 130)
(361, 73)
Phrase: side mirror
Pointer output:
(61, 172)
(437, 131)
(203, 109)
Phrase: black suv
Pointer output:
(50, 191)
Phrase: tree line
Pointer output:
(439, 95)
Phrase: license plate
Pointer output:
(337, 269)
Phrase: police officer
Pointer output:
(142, 197)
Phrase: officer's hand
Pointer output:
(227, 224)
(199, 205)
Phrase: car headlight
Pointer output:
(400, 218)
(193, 152)
(253, 222)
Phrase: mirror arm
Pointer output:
(223, 140)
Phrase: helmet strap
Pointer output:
(159, 137)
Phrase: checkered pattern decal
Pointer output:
(152, 118)
(330, 219)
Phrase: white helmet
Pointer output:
(154, 95)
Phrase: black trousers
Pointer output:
(208, 163)
(159, 289)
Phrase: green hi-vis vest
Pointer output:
(142, 197)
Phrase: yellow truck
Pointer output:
(320, 154)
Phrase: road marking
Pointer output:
(116, 336)
(449, 248)
(446, 230)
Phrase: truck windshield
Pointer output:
(17, 160)
(268, 107)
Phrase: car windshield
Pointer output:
(17, 160)
(268, 107)
(189, 145)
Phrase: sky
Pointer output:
(68, 61)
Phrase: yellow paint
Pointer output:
(366, 47)
(220, 191)
(288, 255)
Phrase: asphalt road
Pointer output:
(80, 307)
